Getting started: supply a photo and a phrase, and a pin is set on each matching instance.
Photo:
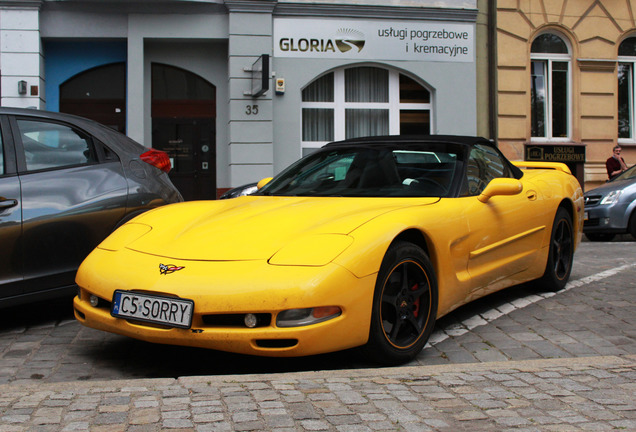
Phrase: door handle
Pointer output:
(7, 202)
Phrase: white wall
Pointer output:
(21, 58)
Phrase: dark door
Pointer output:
(183, 125)
(98, 94)
(191, 148)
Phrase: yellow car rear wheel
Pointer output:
(404, 305)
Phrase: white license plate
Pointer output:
(168, 311)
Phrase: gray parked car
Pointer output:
(611, 209)
(65, 184)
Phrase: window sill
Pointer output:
(627, 142)
(535, 140)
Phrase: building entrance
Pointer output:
(98, 94)
(183, 125)
(190, 146)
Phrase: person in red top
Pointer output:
(615, 164)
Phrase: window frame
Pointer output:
(93, 145)
(339, 105)
(549, 59)
(631, 62)
(9, 156)
(485, 172)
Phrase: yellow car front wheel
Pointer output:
(561, 255)
(404, 305)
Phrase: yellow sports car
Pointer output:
(363, 243)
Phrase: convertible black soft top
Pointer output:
(406, 139)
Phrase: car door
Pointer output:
(70, 201)
(505, 232)
(10, 217)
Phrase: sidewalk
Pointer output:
(573, 394)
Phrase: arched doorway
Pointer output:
(98, 94)
(183, 125)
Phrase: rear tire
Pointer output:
(404, 306)
(561, 255)
(632, 224)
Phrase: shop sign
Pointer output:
(556, 153)
(374, 40)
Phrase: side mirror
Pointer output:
(500, 186)
(263, 182)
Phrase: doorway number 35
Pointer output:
(251, 110)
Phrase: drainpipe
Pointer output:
(492, 67)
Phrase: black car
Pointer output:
(65, 184)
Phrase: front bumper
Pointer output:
(226, 289)
(605, 219)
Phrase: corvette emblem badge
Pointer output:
(165, 269)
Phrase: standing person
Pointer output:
(615, 164)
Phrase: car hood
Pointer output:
(250, 227)
(611, 186)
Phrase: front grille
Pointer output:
(592, 200)
(235, 320)
(591, 222)
(276, 343)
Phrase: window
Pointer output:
(370, 171)
(626, 67)
(484, 164)
(363, 101)
(550, 88)
(52, 145)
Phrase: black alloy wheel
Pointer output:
(404, 305)
(561, 253)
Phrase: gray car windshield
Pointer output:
(630, 174)
(368, 172)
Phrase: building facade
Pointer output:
(235, 90)
(565, 74)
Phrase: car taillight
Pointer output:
(158, 159)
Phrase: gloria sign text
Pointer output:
(371, 40)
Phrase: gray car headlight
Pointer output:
(611, 198)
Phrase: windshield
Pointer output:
(369, 172)
(627, 175)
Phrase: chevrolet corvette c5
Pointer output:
(364, 243)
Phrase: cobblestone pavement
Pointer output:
(584, 394)
(518, 360)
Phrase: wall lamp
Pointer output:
(22, 87)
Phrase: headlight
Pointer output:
(303, 317)
(611, 198)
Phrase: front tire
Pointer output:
(404, 306)
(561, 255)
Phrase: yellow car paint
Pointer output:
(261, 254)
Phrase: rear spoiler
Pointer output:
(543, 165)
